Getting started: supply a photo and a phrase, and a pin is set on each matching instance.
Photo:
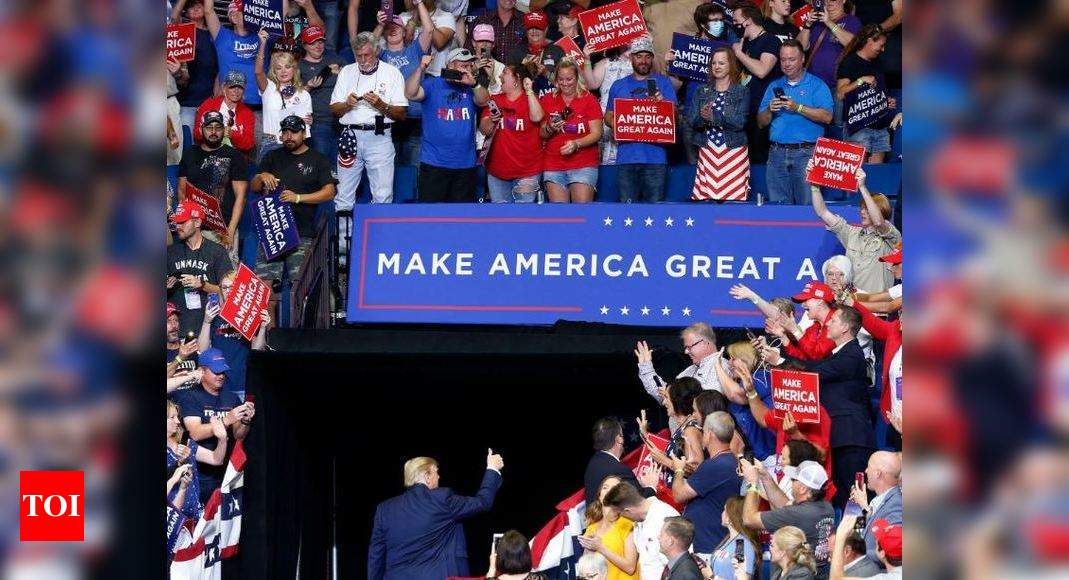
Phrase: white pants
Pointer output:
(374, 153)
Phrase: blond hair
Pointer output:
(882, 203)
(277, 60)
(791, 540)
(417, 467)
(745, 352)
(171, 405)
(580, 85)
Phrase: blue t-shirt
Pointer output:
(406, 59)
(236, 352)
(238, 53)
(202, 72)
(199, 403)
(449, 126)
(631, 88)
(762, 441)
(715, 481)
(789, 126)
(723, 560)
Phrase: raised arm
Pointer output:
(258, 68)
(440, 37)
(875, 216)
(819, 207)
(414, 82)
(743, 292)
(759, 67)
(464, 506)
(211, 19)
(895, 19)
(352, 20)
(176, 10)
(309, 7)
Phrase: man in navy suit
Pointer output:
(844, 392)
(609, 447)
(417, 535)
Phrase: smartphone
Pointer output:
(191, 336)
(325, 73)
(740, 551)
(651, 87)
(859, 478)
(451, 75)
(250, 398)
(496, 538)
(778, 91)
(387, 7)
(213, 299)
(555, 117)
(493, 108)
(818, 5)
(750, 335)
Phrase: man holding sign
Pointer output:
(844, 392)
(642, 167)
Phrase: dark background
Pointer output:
(334, 427)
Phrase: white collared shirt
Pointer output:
(651, 561)
(387, 82)
(878, 501)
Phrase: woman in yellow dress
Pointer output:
(610, 535)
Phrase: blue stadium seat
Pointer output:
(607, 190)
(680, 182)
(885, 178)
(404, 186)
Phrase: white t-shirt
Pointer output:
(651, 561)
(387, 82)
(276, 108)
(894, 377)
(443, 20)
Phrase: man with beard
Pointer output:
(220, 171)
(642, 168)
(194, 266)
(304, 176)
(181, 353)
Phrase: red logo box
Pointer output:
(51, 506)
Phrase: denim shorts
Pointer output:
(584, 175)
(873, 140)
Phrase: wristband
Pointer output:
(859, 82)
(178, 360)
(751, 395)
(801, 108)
(752, 489)
(298, 198)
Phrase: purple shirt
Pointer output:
(823, 63)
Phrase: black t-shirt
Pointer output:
(854, 67)
(754, 48)
(781, 31)
(213, 171)
(872, 11)
(302, 173)
(210, 262)
(202, 72)
(321, 94)
(198, 403)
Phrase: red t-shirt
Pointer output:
(585, 109)
(517, 147)
(818, 434)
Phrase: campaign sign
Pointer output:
(213, 214)
(646, 461)
(265, 14)
(865, 107)
(796, 392)
(612, 25)
(571, 49)
(666, 265)
(246, 300)
(799, 15)
(275, 225)
(835, 164)
(692, 56)
(181, 41)
(644, 120)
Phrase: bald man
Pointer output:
(884, 477)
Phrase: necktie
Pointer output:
(666, 573)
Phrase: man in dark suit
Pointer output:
(844, 392)
(676, 536)
(609, 447)
(418, 535)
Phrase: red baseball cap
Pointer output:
(815, 290)
(312, 34)
(235, 6)
(889, 538)
(536, 19)
(171, 309)
(894, 257)
(187, 210)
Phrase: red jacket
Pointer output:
(890, 332)
(814, 344)
(242, 134)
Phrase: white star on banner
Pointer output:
(625, 310)
(669, 222)
(604, 310)
(665, 311)
(628, 221)
(690, 222)
(608, 221)
(649, 222)
(686, 312)
(645, 311)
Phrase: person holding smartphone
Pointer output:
(741, 544)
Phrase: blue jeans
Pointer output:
(522, 190)
(325, 140)
(785, 177)
(641, 181)
(331, 15)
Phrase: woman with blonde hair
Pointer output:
(611, 536)
(571, 129)
(792, 557)
(179, 454)
(283, 95)
(719, 112)
(745, 368)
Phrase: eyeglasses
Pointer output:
(230, 118)
(694, 344)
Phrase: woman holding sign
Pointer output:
(719, 110)
(511, 119)
(572, 129)
(859, 69)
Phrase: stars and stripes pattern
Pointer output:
(347, 148)
(723, 173)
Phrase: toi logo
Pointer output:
(51, 506)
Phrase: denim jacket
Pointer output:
(732, 120)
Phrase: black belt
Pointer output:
(794, 145)
(367, 127)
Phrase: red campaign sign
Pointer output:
(835, 164)
(246, 300)
(646, 461)
(571, 49)
(181, 41)
(644, 120)
(213, 213)
(797, 392)
(612, 25)
(799, 15)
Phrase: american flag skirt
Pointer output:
(723, 174)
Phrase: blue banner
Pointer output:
(652, 265)
(866, 107)
(691, 56)
(275, 225)
(265, 14)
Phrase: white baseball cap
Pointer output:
(810, 474)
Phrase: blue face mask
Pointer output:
(715, 27)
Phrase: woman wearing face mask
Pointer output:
(778, 19)
(718, 119)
